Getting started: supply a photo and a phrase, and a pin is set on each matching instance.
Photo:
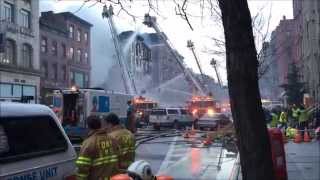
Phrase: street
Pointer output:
(169, 153)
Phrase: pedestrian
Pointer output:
(131, 124)
(97, 158)
(283, 120)
(124, 139)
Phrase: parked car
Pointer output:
(169, 117)
(212, 122)
(33, 144)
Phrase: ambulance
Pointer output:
(73, 106)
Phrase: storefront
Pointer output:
(18, 93)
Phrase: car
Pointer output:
(169, 117)
(33, 144)
(212, 122)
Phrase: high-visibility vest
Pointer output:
(274, 120)
(295, 112)
(304, 116)
(283, 117)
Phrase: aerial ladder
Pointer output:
(190, 45)
(128, 80)
(213, 63)
(150, 21)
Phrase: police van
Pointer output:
(169, 117)
(33, 144)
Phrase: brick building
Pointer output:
(19, 64)
(64, 52)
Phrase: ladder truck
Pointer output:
(150, 21)
(128, 80)
(202, 101)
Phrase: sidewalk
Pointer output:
(303, 160)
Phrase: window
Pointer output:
(64, 50)
(86, 37)
(55, 72)
(5, 90)
(44, 70)
(24, 141)
(86, 80)
(78, 35)
(71, 31)
(79, 79)
(71, 53)
(17, 90)
(78, 59)
(173, 111)
(8, 12)
(25, 18)
(43, 44)
(86, 58)
(9, 56)
(158, 112)
(72, 77)
(64, 72)
(26, 56)
(54, 48)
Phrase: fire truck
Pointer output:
(202, 105)
(143, 107)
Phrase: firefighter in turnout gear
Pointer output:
(97, 158)
(124, 139)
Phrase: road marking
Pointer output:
(166, 160)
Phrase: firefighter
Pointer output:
(97, 158)
(274, 121)
(303, 119)
(124, 139)
(295, 115)
(283, 120)
(131, 124)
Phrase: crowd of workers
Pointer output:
(108, 150)
(294, 118)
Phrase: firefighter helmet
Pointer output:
(140, 170)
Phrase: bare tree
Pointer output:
(242, 71)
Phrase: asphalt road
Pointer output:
(169, 153)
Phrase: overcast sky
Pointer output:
(174, 26)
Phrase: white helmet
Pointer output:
(140, 170)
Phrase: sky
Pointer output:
(177, 30)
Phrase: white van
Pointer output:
(33, 144)
(169, 117)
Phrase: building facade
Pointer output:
(19, 64)
(147, 54)
(64, 52)
(310, 65)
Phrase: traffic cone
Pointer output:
(297, 138)
(306, 137)
(121, 177)
(208, 140)
(163, 177)
(186, 135)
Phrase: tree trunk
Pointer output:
(242, 70)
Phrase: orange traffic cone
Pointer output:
(306, 137)
(162, 177)
(297, 138)
(207, 141)
(121, 177)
